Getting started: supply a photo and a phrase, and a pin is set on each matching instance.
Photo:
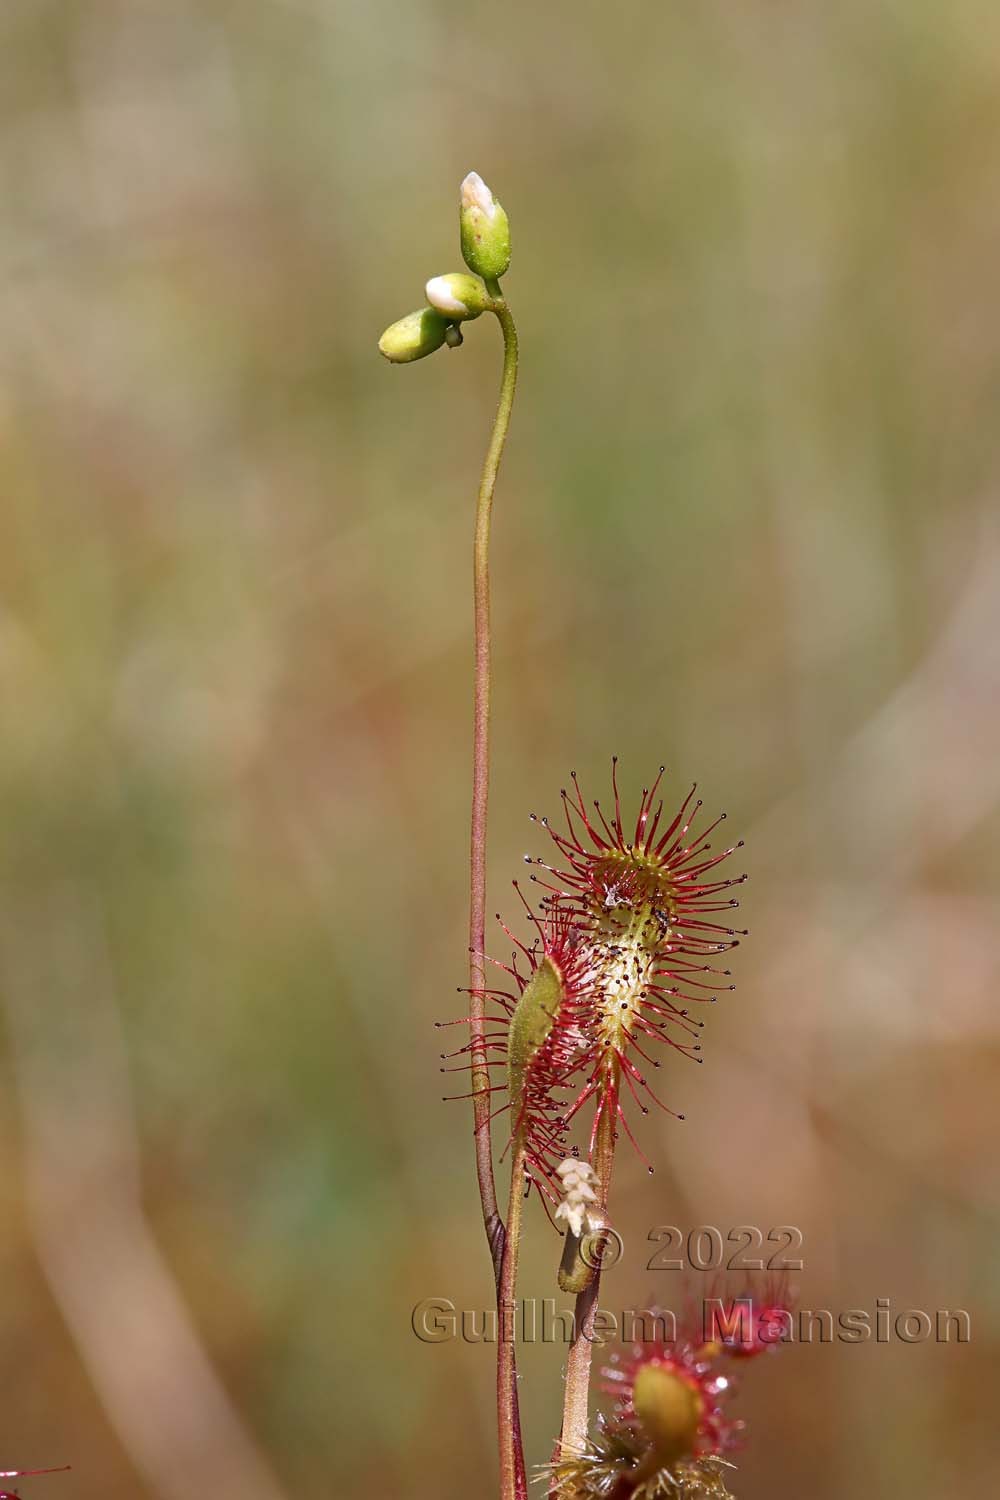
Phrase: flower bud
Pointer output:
(484, 229)
(417, 334)
(457, 296)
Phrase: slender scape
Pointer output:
(503, 1247)
(481, 780)
(453, 299)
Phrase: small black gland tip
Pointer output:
(662, 769)
(650, 1171)
(682, 1117)
(527, 859)
(614, 760)
(740, 843)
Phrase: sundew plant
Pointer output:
(627, 931)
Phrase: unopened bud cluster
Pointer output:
(457, 297)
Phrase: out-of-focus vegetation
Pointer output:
(748, 526)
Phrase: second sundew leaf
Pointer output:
(535, 1014)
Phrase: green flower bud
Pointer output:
(457, 296)
(484, 228)
(417, 334)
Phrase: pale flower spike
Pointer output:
(579, 1181)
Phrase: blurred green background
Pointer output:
(748, 526)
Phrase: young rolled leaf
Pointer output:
(530, 1028)
(669, 1408)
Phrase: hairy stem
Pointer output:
(512, 1476)
(480, 785)
(576, 1399)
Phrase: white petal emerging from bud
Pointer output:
(475, 194)
(458, 295)
(484, 229)
(440, 295)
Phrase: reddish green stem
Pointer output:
(503, 1246)
(512, 1478)
(480, 787)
